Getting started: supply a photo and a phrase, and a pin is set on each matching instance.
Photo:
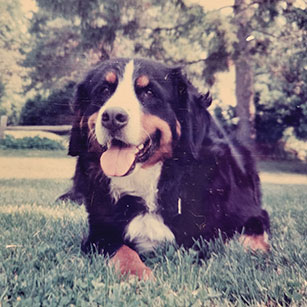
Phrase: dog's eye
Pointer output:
(105, 91)
(148, 93)
(145, 94)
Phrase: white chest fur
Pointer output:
(145, 230)
(142, 182)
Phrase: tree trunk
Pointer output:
(244, 86)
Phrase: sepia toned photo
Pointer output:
(153, 153)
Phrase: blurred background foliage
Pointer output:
(46, 51)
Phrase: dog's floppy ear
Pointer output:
(78, 137)
(192, 113)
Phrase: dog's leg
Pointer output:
(126, 261)
(255, 236)
(72, 195)
(255, 242)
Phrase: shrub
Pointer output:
(36, 142)
(53, 110)
(293, 147)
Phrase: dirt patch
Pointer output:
(283, 178)
(36, 168)
(61, 168)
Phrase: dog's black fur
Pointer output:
(214, 178)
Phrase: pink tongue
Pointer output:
(117, 161)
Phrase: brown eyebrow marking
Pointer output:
(142, 81)
(111, 77)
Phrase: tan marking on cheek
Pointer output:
(255, 242)
(178, 129)
(81, 123)
(111, 77)
(91, 122)
(142, 81)
(78, 119)
(151, 124)
(92, 141)
(126, 261)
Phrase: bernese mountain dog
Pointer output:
(154, 166)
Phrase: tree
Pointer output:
(281, 76)
(70, 36)
(269, 70)
(244, 72)
(83, 35)
(13, 39)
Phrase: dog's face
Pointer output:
(133, 112)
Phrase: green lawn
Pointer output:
(33, 153)
(41, 263)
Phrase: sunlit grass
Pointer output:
(33, 153)
(41, 263)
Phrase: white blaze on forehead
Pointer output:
(124, 97)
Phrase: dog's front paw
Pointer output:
(255, 242)
(127, 262)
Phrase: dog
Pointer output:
(154, 166)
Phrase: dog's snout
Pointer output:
(114, 118)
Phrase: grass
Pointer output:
(35, 153)
(41, 263)
(290, 166)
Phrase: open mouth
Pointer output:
(119, 159)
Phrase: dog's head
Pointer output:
(134, 113)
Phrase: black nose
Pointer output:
(114, 118)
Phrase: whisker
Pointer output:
(148, 135)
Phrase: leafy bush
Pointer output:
(36, 142)
(280, 100)
(227, 118)
(293, 147)
(272, 119)
(53, 110)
